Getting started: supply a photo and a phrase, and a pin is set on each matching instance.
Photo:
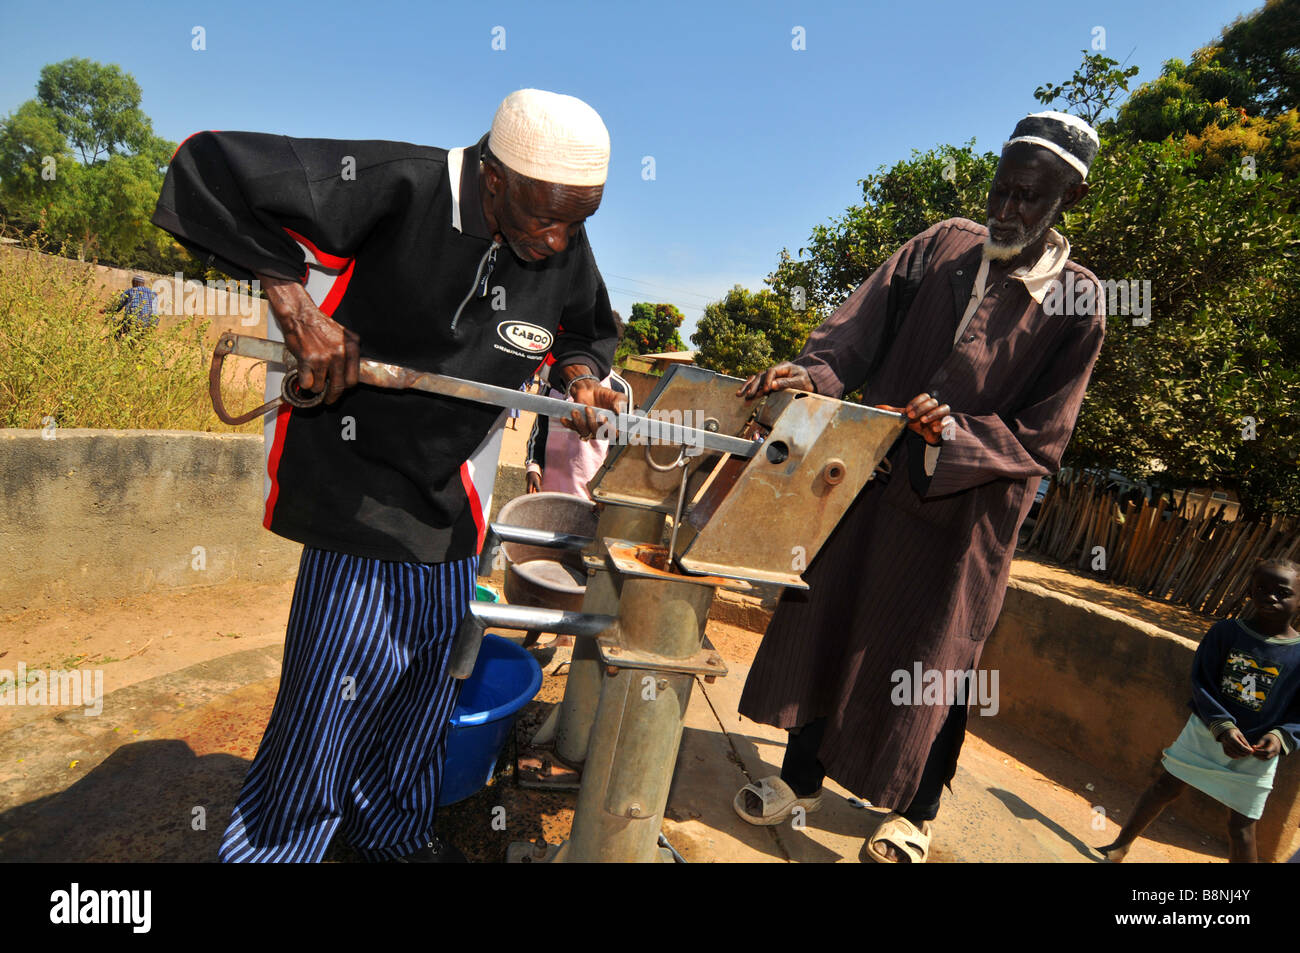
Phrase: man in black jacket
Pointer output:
(395, 251)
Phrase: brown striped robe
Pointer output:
(917, 568)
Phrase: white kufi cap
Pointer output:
(550, 137)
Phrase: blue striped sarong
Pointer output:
(358, 733)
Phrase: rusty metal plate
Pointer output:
(649, 561)
(711, 401)
(765, 518)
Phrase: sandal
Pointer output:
(779, 801)
(902, 835)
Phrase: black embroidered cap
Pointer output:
(1068, 136)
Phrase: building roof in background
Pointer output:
(674, 357)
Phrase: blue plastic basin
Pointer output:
(504, 680)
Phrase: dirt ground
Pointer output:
(134, 639)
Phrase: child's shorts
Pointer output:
(1240, 783)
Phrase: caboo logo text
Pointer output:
(526, 337)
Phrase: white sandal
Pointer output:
(779, 801)
(902, 835)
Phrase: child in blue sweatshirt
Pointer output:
(1246, 704)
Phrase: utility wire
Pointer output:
(652, 284)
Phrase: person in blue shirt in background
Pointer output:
(1246, 712)
(137, 304)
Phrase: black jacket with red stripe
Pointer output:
(393, 237)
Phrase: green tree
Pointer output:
(1223, 116)
(1265, 46)
(80, 165)
(96, 107)
(1253, 70)
(1184, 98)
(1169, 400)
(652, 329)
(748, 331)
(31, 150)
(1196, 192)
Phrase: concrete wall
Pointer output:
(1113, 691)
(99, 514)
(102, 514)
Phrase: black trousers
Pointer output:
(804, 773)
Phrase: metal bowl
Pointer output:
(541, 577)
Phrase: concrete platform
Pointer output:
(152, 778)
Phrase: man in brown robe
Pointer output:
(917, 569)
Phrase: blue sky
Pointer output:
(754, 142)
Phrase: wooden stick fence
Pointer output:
(1189, 556)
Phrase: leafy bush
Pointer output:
(749, 331)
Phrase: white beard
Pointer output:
(993, 251)
(996, 252)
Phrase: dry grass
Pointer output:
(60, 360)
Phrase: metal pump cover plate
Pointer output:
(647, 559)
(771, 514)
